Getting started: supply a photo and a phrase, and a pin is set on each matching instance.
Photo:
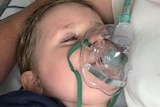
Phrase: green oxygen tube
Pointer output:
(123, 35)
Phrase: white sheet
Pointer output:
(143, 87)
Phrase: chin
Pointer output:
(94, 96)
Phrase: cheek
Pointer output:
(56, 77)
(75, 60)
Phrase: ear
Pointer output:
(30, 82)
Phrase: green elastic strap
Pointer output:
(78, 77)
(113, 100)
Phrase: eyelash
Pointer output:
(70, 39)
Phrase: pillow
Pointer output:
(12, 83)
(143, 87)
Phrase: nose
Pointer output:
(95, 37)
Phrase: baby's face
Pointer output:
(60, 29)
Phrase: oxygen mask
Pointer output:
(103, 63)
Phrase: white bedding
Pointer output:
(143, 87)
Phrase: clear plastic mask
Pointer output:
(103, 63)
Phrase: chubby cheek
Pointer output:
(75, 60)
(56, 78)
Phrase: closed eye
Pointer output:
(70, 39)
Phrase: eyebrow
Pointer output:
(71, 25)
(96, 23)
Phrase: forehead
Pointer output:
(68, 13)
